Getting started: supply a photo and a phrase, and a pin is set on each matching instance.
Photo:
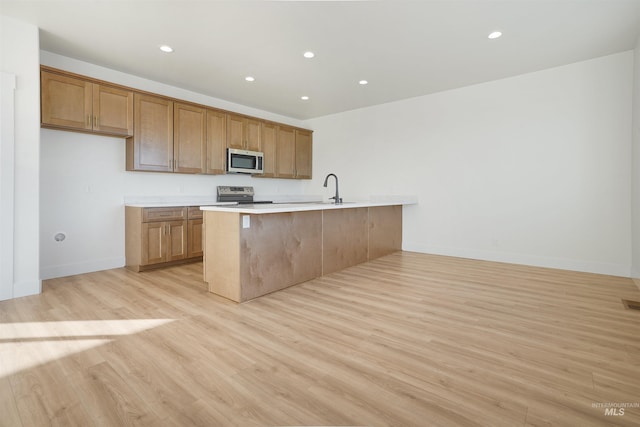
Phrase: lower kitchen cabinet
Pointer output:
(156, 237)
(195, 235)
(163, 242)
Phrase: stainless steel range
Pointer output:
(241, 195)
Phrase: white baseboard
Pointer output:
(24, 289)
(532, 260)
(52, 272)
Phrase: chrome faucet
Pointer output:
(336, 198)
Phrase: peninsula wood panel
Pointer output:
(385, 230)
(344, 238)
(222, 253)
(283, 249)
(278, 251)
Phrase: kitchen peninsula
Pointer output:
(252, 250)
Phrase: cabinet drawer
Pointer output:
(163, 214)
(195, 212)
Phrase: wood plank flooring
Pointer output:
(405, 340)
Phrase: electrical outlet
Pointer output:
(246, 221)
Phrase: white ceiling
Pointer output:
(404, 49)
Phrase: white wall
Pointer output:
(635, 183)
(84, 182)
(19, 61)
(532, 169)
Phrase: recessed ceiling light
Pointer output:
(495, 35)
(249, 79)
(308, 54)
(304, 98)
(166, 48)
(363, 82)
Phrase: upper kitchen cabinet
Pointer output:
(287, 152)
(286, 155)
(164, 134)
(73, 103)
(304, 154)
(189, 138)
(269, 141)
(151, 147)
(216, 142)
(243, 133)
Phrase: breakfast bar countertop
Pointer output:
(269, 208)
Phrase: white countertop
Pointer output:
(287, 203)
(300, 207)
(171, 201)
(160, 204)
(211, 200)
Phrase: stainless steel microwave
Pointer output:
(243, 161)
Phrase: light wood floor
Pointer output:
(404, 340)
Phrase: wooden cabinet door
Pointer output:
(303, 154)
(189, 138)
(66, 101)
(177, 240)
(269, 140)
(235, 132)
(154, 242)
(112, 110)
(243, 133)
(216, 142)
(194, 238)
(286, 153)
(253, 132)
(151, 148)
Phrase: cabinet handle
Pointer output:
(88, 120)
